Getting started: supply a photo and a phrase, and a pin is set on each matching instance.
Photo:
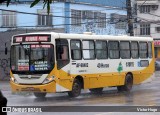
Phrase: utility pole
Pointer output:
(129, 17)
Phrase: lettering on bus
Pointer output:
(19, 39)
(82, 70)
(82, 65)
(36, 38)
(102, 65)
(129, 64)
(23, 65)
(39, 65)
(40, 46)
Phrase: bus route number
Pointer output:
(82, 65)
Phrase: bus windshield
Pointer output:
(32, 58)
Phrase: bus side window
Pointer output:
(62, 53)
(149, 49)
(143, 50)
(88, 49)
(101, 49)
(76, 50)
(113, 48)
(125, 50)
(134, 50)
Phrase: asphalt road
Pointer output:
(141, 95)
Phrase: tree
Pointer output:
(45, 2)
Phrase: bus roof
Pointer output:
(96, 37)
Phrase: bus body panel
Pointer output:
(95, 73)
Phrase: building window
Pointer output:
(125, 50)
(44, 19)
(91, 17)
(9, 19)
(100, 19)
(120, 25)
(118, 20)
(76, 17)
(158, 29)
(144, 8)
(88, 49)
(144, 29)
(113, 47)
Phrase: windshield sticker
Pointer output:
(23, 68)
(40, 65)
(23, 65)
(120, 67)
(23, 62)
(40, 46)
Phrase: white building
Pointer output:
(148, 21)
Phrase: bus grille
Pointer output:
(30, 76)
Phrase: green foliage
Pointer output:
(34, 3)
(8, 1)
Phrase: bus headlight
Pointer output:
(48, 79)
(14, 80)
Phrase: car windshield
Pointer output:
(32, 58)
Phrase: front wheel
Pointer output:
(76, 89)
(39, 94)
(127, 85)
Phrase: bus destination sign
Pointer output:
(33, 38)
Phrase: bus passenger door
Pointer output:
(62, 57)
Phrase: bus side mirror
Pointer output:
(6, 50)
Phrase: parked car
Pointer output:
(157, 64)
(3, 103)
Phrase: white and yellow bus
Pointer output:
(57, 62)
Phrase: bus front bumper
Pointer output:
(48, 88)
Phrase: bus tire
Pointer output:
(127, 85)
(39, 94)
(76, 89)
(96, 90)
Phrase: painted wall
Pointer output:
(31, 20)
(59, 11)
(110, 28)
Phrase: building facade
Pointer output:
(148, 21)
(75, 16)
